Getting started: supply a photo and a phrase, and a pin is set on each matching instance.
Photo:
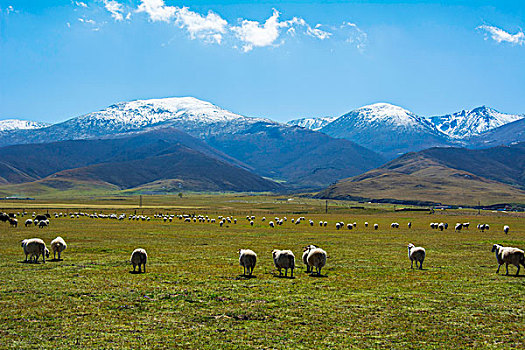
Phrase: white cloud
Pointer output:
(116, 9)
(81, 4)
(253, 34)
(157, 10)
(499, 35)
(88, 21)
(354, 35)
(210, 28)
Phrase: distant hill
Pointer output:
(131, 161)
(443, 175)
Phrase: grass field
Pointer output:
(193, 294)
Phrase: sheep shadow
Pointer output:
(315, 275)
(55, 260)
(30, 262)
(245, 277)
(513, 275)
(285, 277)
(136, 272)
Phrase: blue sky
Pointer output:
(282, 60)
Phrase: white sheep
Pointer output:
(376, 226)
(284, 259)
(366, 223)
(416, 254)
(441, 226)
(271, 224)
(458, 227)
(350, 226)
(28, 222)
(139, 257)
(306, 251)
(247, 259)
(506, 229)
(316, 258)
(43, 223)
(58, 245)
(509, 255)
(35, 247)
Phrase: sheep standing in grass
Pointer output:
(306, 251)
(247, 259)
(28, 222)
(139, 257)
(316, 258)
(376, 226)
(43, 223)
(416, 254)
(271, 224)
(506, 229)
(409, 225)
(58, 245)
(509, 255)
(458, 227)
(13, 222)
(35, 247)
(284, 259)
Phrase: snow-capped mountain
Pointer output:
(17, 124)
(312, 123)
(198, 118)
(469, 123)
(386, 128)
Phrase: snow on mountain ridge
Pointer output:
(18, 124)
(314, 123)
(468, 123)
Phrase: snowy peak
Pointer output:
(142, 113)
(17, 124)
(387, 113)
(468, 123)
(312, 123)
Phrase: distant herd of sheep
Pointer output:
(313, 257)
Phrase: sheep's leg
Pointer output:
(421, 265)
(497, 271)
(133, 267)
(244, 270)
(144, 268)
(291, 274)
(412, 264)
(518, 272)
(285, 272)
(507, 267)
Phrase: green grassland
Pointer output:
(194, 297)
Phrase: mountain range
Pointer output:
(188, 144)
(393, 131)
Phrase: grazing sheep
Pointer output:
(350, 226)
(28, 222)
(251, 223)
(43, 223)
(271, 224)
(13, 222)
(306, 251)
(316, 258)
(284, 259)
(366, 224)
(247, 259)
(35, 247)
(441, 226)
(337, 225)
(58, 245)
(416, 254)
(506, 229)
(394, 225)
(466, 225)
(509, 255)
(409, 225)
(458, 227)
(139, 257)
(376, 226)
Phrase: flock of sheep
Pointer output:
(313, 257)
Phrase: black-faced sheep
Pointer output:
(506, 229)
(247, 259)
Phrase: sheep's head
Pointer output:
(410, 246)
(495, 247)
(47, 252)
